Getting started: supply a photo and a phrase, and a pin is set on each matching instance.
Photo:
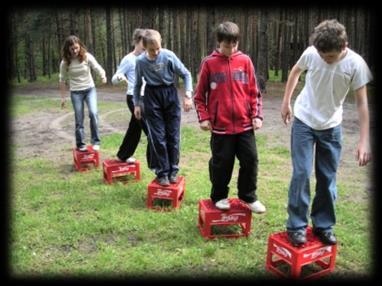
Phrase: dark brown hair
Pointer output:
(227, 31)
(70, 41)
(329, 35)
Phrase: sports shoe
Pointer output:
(96, 147)
(130, 160)
(163, 181)
(297, 238)
(325, 236)
(257, 207)
(223, 204)
(173, 178)
(82, 148)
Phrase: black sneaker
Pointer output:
(163, 181)
(325, 236)
(296, 238)
(173, 179)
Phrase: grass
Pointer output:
(73, 224)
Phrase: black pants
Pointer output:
(133, 135)
(224, 149)
(162, 112)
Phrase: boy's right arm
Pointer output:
(286, 109)
(120, 73)
(363, 151)
(200, 99)
(137, 91)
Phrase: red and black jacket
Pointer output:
(227, 93)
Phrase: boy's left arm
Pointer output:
(184, 73)
(256, 99)
(257, 122)
(363, 152)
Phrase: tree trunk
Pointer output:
(211, 39)
(262, 63)
(44, 56)
(284, 48)
(88, 31)
(30, 58)
(49, 60)
(109, 48)
(93, 31)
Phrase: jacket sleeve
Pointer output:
(259, 105)
(256, 98)
(201, 94)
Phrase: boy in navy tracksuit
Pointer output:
(229, 104)
(161, 104)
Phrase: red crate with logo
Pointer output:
(210, 216)
(83, 160)
(174, 194)
(120, 170)
(286, 260)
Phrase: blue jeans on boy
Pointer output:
(327, 144)
(78, 98)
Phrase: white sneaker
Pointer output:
(223, 204)
(257, 207)
(82, 148)
(96, 147)
(130, 160)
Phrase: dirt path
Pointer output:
(48, 134)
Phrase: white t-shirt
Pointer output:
(127, 68)
(79, 74)
(319, 104)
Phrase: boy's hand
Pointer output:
(137, 112)
(187, 104)
(121, 77)
(257, 123)
(363, 154)
(286, 112)
(205, 125)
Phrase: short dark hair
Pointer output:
(329, 35)
(227, 31)
(137, 35)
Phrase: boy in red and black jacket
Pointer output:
(229, 104)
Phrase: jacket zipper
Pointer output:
(230, 82)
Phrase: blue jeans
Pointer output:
(327, 144)
(78, 98)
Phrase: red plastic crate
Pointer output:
(313, 253)
(174, 193)
(83, 160)
(117, 169)
(209, 216)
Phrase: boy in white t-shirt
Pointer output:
(332, 69)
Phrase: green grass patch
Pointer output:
(75, 225)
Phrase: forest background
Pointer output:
(274, 37)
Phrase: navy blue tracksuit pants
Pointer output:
(133, 135)
(162, 112)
